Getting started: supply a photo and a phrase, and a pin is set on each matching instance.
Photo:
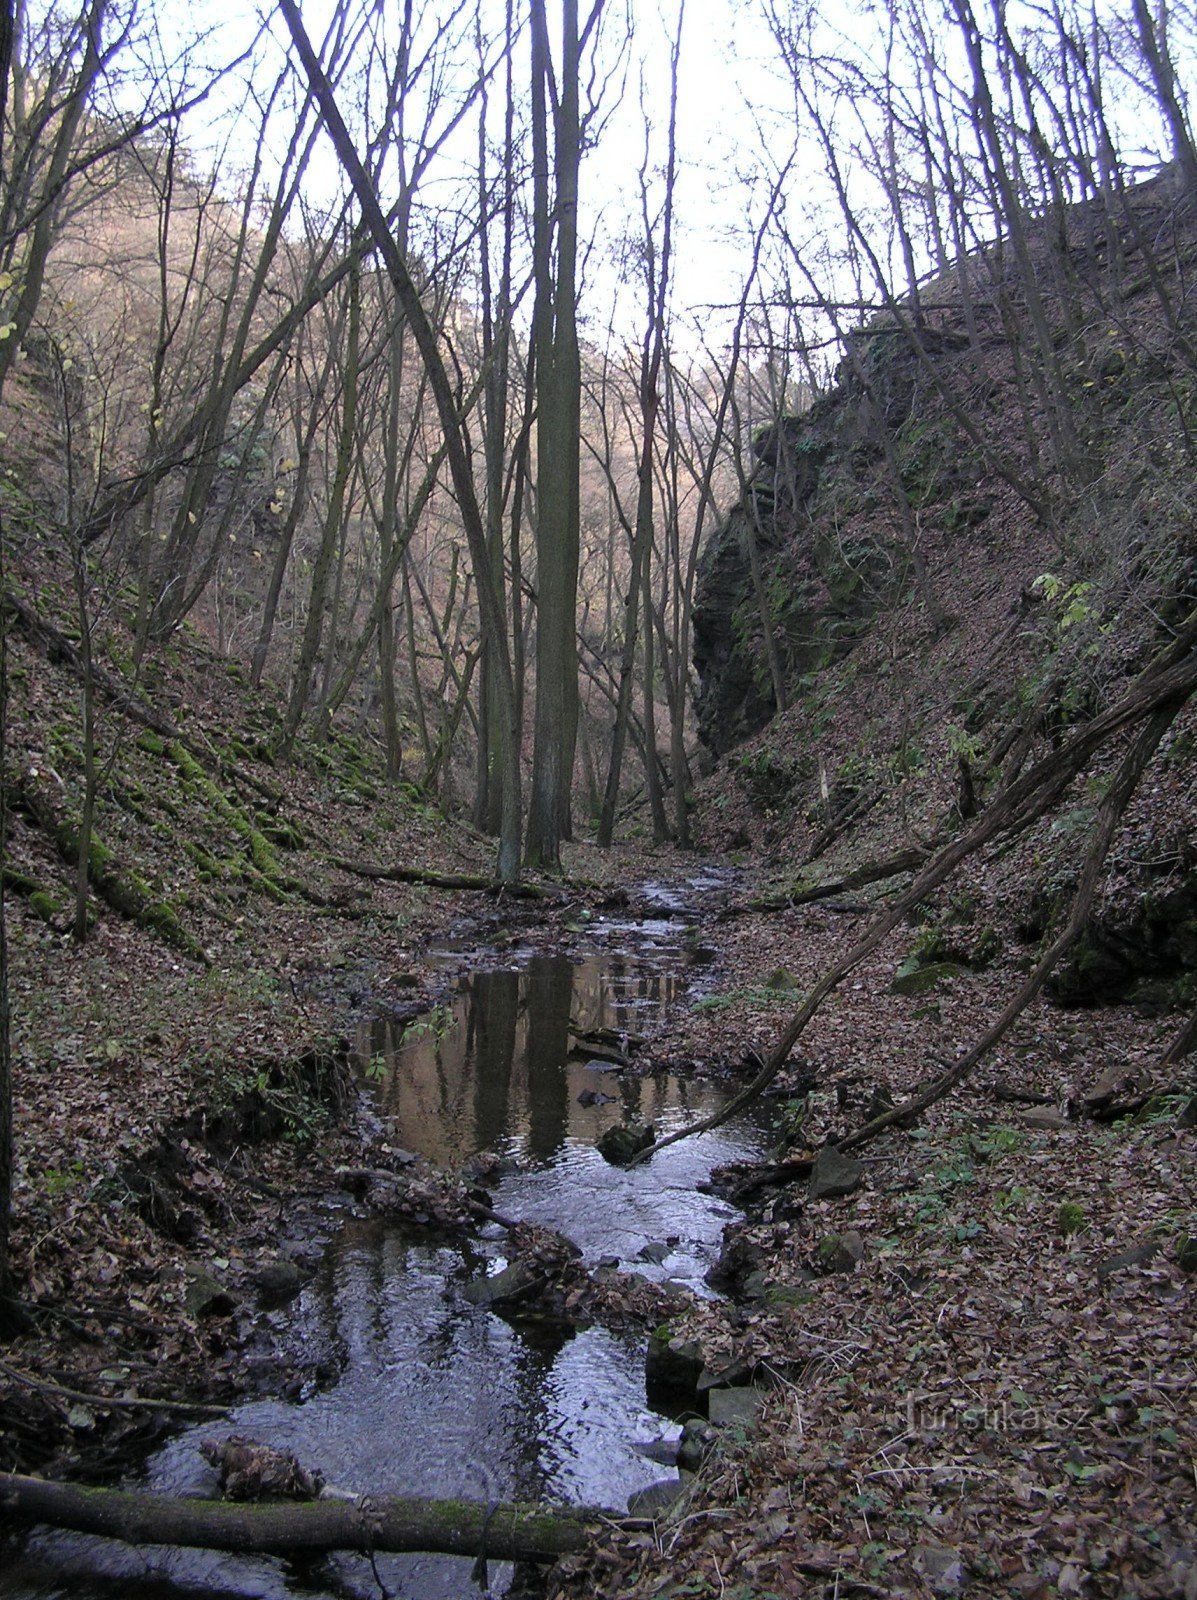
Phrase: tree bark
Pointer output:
(505, 1532)
(558, 422)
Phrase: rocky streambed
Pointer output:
(492, 1364)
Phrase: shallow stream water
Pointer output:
(438, 1396)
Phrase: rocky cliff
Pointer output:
(958, 555)
(938, 449)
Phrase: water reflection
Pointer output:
(495, 1069)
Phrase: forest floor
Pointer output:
(977, 1368)
(998, 1396)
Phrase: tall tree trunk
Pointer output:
(657, 272)
(332, 532)
(558, 428)
(1153, 41)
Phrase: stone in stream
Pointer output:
(663, 1451)
(277, 1282)
(834, 1175)
(657, 1497)
(697, 1441)
(673, 1366)
(654, 1251)
(620, 1144)
(595, 1097)
(515, 1285)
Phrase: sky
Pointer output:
(735, 126)
(718, 140)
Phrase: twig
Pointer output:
(108, 1402)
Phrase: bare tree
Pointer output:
(428, 344)
(656, 258)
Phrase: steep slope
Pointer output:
(934, 596)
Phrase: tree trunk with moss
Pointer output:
(367, 1523)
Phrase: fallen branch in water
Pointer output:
(368, 1523)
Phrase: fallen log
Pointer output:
(451, 880)
(367, 1523)
(874, 872)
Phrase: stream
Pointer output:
(438, 1396)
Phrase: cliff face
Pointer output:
(951, 446)
(801, 565)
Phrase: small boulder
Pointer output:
(834, 1175)
(1048, 1121)
(739, 1260)
(736, 1374)
(656, 1498)
(622, 1143)
(697, 1441)
(519, 1282)
(783, 981)
(206, 1295)
(1139, 1255)
(735, 1408)
(595, 1097)
(1117, 1082)
(277, 1282)
(841, 1252)
(663, 1451)
(944, 1571)
(655, 1252)
(673, 1366)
